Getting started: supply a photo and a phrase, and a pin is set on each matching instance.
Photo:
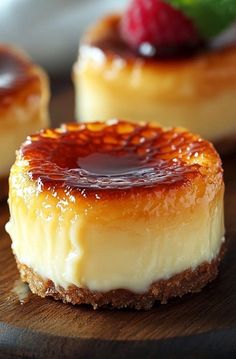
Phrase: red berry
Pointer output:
(157, 23)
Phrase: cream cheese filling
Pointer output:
(198, 95)
(212, 117)
(77, 249)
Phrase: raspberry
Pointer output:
(157, 23)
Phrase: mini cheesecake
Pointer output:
(24, 94)
(192, 88)
(116, 213)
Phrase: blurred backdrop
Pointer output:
(49, 30)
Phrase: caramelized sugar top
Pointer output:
(15, 74)
(107, 38)
(114, 155)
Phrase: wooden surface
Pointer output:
(202, 325)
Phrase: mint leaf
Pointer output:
(210, 16)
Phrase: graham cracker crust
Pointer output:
(3, 188)
(188, 281)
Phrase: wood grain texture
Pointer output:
(200, 325)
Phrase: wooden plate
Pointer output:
(200, 325)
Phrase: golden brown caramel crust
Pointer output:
(189, 281)
(3, 188)
(107, 37)
(19, 78)
(116, 155)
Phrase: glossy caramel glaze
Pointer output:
(18, 79)
(111, 42)
(116, 155)
(105, 36)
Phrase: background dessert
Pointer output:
(174, 74)
(129, 213)
(24, 94)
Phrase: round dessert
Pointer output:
(116, 213)
(24, 94)
(124, 72)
